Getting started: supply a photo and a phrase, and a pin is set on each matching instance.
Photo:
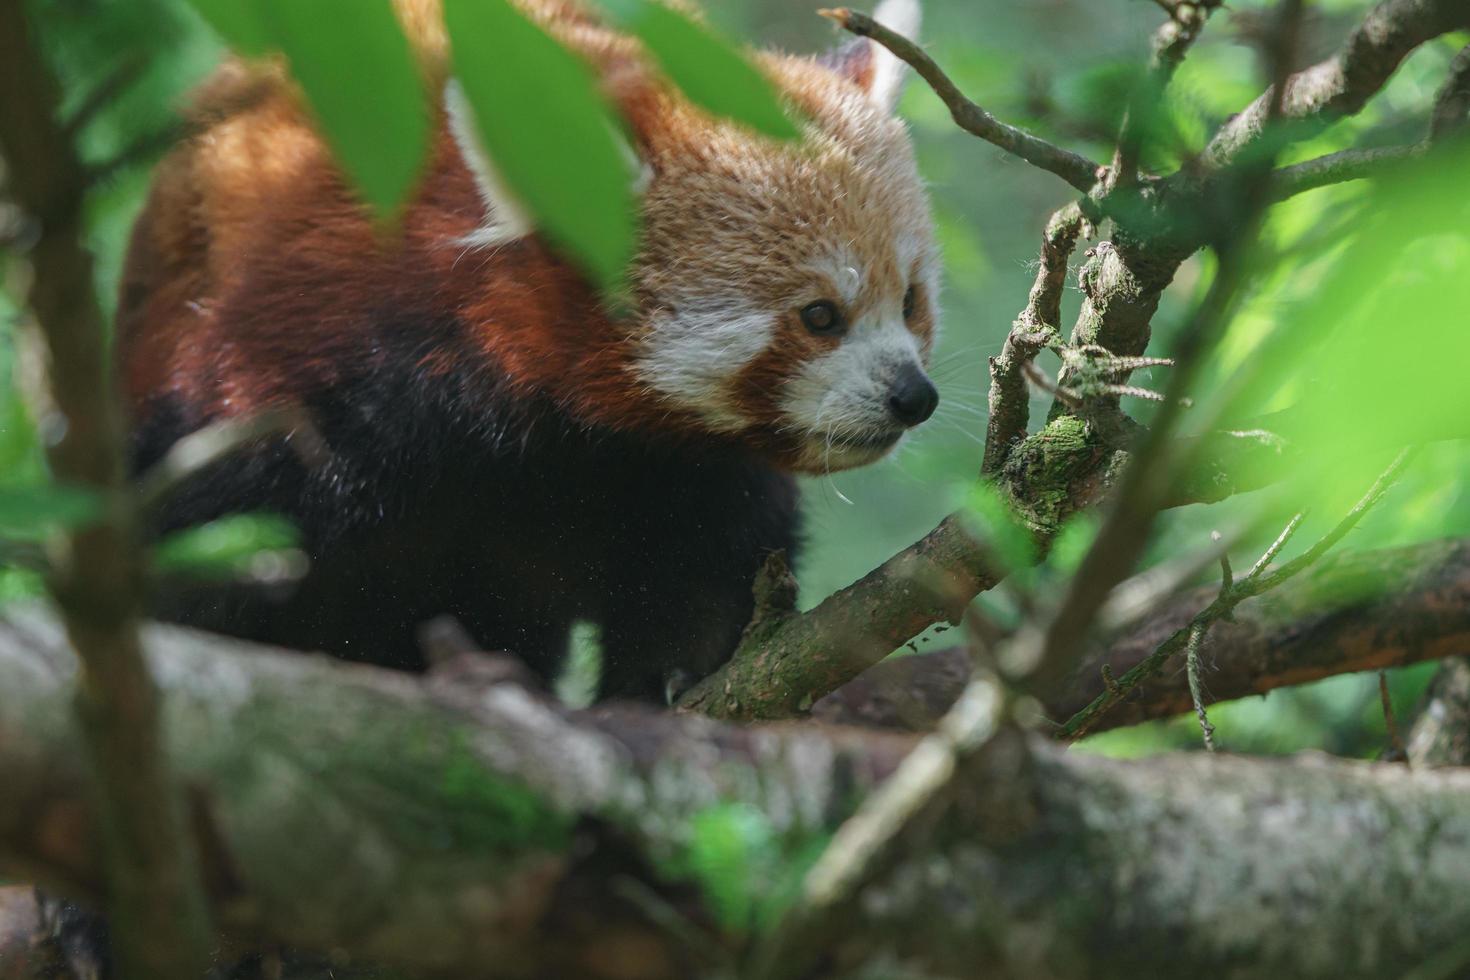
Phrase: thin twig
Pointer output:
(1337, 168)
(159, 923)
(1170, 43)
(1451, 111)
(1269, 555)
(119, 79)
(1036, 376)
(1390, 721)
(1255, 583)
(1227, 574)
(1191, 659)
(1342, 84)
(1265, 582)
(1074, 168)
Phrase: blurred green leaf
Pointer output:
(709, 70)
(553, 138)
(228, 547)
(1377, 353)
(19, 583)
(730, 847)
(20, 452)
(30, 512)
(358, 73)
(999, 528)
(1072, 543)
(240, 22)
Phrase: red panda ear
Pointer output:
(869, 65)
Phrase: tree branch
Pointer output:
(1352, 612)
(1075, 169)
(1261, 579)
(1034, 329)
(448, 826)
(1337, 168)
(1343, 84)
(1452, 103)
(791, 661)
(1441, 734)
(159, 919)
(1170, 43)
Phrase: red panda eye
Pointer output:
(910, 303)
(822, 317)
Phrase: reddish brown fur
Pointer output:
(251, 230)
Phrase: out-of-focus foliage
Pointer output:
(706, 69)
(1374, 354)
(255, 547)
(22, 472)
(32, 511)
(354, 64)
(751, 871)
(552, 136)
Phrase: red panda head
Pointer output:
(785, 294)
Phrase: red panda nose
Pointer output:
(913, 397)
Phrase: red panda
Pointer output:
(500, 447)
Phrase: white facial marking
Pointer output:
(690, 356)
(843, 395)
(505, 219)
(841, 270)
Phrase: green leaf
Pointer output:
(355, 66)
(709, 70)
(231, 546)
(1000, 529)
(1363, 349)
(731, 846)
(1072, 543)
(31, 512)
(552, 137)
(239, 22)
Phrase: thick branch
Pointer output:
(786, 663)
(1037, 326)
(457, 827)
(1343, 84)
(1353, 612)
(789, 662)
(1263, 577)
(1075, 169)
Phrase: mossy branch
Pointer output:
(448, 828)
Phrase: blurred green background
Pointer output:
(1059, 67)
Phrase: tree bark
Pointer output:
(1354, 611)
(458, 825)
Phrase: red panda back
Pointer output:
(253, 262)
